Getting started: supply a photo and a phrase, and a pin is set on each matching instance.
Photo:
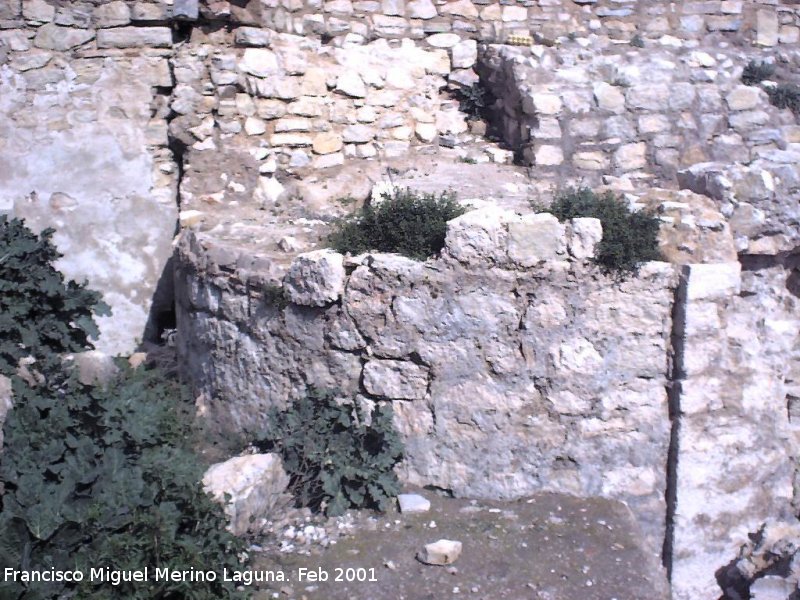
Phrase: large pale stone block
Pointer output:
(256, 484)
(135, 37)
(713, 281)
(479, 234)
(767, 27)
(397, 379)
(535, 238)
(315, 278)
(583, 236)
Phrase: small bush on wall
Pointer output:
(405, 222)
(336, 460)
(755, 72)
(629, 238)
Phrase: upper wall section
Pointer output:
(765, 22)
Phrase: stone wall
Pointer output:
(764, 22)
(85, 147)
(513, 365)
(626, 110)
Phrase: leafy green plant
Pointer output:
(629, 238)
(637, 41)
(786, 95)
(405, 222)
(755, 72)
(41, 315)
(106, 478)
(94, 477)
(474, 100)
(275, 296)
(335, 458)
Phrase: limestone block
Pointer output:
(514, 13)
(609, 97)
(254, 126)
(315, 278)
(460, 8)
(548, 156)
(542, 104)
(410, 503)
(186, 10)
(112, 14)
(629, 157)
(396, 379)
(583, 236)
(53, 37)
(135, 37)
(535, 238)
(591, 161)
(443, 552)
(358, 134)
(426, 132)
(350, 83)
(252, 36)
(259, 62)
(38, 10)
(767, 28)
(479, 235)
(327, 143)
(465, 54)
(443, 40)
(744, 97)
(390, 25)
(648, 97)
(421, 9)
(256, 484)
(714, 281)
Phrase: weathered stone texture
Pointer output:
(521, 378)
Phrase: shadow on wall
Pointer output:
(161, 317)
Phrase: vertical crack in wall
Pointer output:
(674, 390)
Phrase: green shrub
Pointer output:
(628, 238)
(756, 72)
(40, 314)
(637, 41)
(335, 459)
(94, 477)
(405, 222)
(98, 478)
(786, 95)
(474, 100)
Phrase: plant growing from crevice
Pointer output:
(406, 222)
(474, 101)
(786, 95)
(629, 238)
(756, 71)
(637, 41)
(337, 457)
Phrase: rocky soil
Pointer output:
(546, 547)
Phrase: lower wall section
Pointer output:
(504, 381)
(514, 366)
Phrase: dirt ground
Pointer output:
(547, 547)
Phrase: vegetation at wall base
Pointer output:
(629, 238)
(337, 459)
(41, 314)
(406, 222)
(756, 71)
(94, 476)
